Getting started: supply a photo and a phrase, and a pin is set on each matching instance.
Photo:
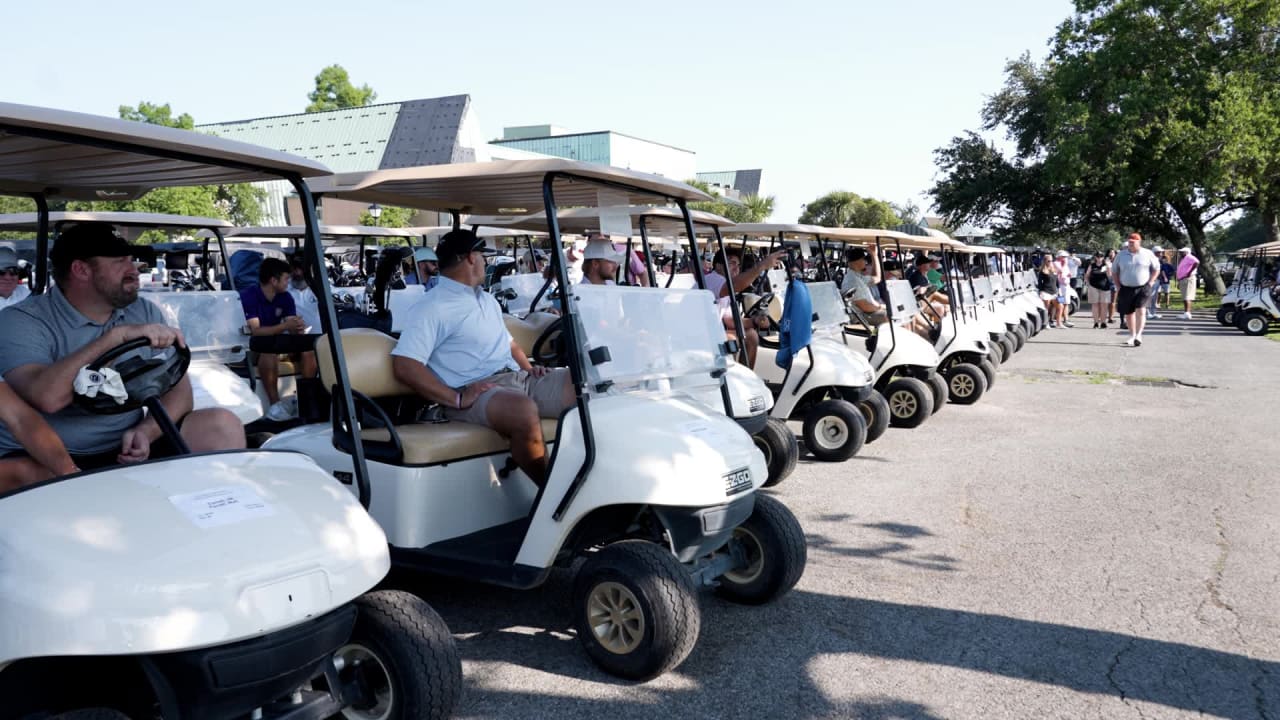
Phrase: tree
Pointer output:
(845, 209)
(1156, 115)
(392, 217)
(908, 211)
(156, 115)
(334, 91)
(750, 209)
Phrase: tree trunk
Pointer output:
(1213, 284)
(1269, 222)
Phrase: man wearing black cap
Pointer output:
(93, 308)
(857, 289)
(456, 351)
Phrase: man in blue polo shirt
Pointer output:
(94, 307)
(456, 351)
(275, 328)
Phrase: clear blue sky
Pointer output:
(822, 95)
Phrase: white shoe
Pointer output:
(1186, 316)
(286, 409)
(1131, 342)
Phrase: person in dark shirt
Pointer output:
(275, 328)
(1047, 286)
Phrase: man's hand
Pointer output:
(472, 392)
(294, 324)
(772, 258)
(134, 447)
(160, 336)
(538, 370)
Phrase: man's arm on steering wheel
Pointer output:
(48, 388)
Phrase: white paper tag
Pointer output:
(615, 218)
(222, 506)
(704, 432)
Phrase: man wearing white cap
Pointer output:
(1188, 263)
(600, 262)
(425, 262)
(12, 291)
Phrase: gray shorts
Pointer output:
(547, 392)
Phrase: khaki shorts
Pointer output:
(547, 392)
(1187, 286)
(1098, 297)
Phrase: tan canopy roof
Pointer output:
(66, 167)
(27, 222)
(660, 221)
(297, 231)
(982, 249)
(496, 188)
(857, 236)
(484, 229)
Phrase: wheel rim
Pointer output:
(830, 432)
(764, 448)
(754, 551)
(615, 617)
(903, 404)
(1256, 324)
(867, 413)
(961, 385)
(377, 677)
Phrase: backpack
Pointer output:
(1098, 278)
(244, 268)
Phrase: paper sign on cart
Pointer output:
(222, 506)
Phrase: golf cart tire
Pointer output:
(781, 450)
(988, 371)
(1227, 315)
(913, 400)
(664, 593)
(875, 411)
(779, 548)
(938, 384)
(997, 353)
(414, 645)
(1019, 335)
(1007, 347)
(1028, 328)
(1073, 308)
(91, 714)
(966, 383)
(1254, 323)
(842, 412)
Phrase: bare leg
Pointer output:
(309, 368)
(1137, 320)
(212, 429)
(515, 417)
(269, 374)
(19, 472)
(753, 344)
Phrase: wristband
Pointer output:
(457, 399)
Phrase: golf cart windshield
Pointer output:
(526, 286)
(212, 322)
(829, 312)
(648, 334)
(901, 300)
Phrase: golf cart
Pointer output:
(1255, 307)
(225, 585)
(211, 320)
(748, 397)
(653, 490)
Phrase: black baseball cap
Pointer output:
(88, 240)
(457, 243)
(856, 254)
(925, 259)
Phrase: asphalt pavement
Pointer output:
(1096, 538)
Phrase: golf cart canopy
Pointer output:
(500, 188)
(982, 249)
(297, 231)
(30, 222)
(486, 227)
(52, 153)
(659, 221)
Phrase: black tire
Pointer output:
(648, 583)
(1007, 347)
(834, 430)
(988, 371)
(1254, 323)
(910, 402)
(875, 411)
(997, 355)
(938, 384)
(1029, 328)
(416, 672)
(966, 383)
(774, 545)
(1226, 315)
(1073, 307)
(91, 714)
(780, 448)
(1019, 337)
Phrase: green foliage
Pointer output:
(753, 208)
(157, 115)
(334, 91)
(845, 209)
(393, 217)
(1247, 230)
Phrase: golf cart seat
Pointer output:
(368, 359)
(526, 332)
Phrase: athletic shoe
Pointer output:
(1095, 326)
(1131, 342)
(283, 410)
(1186, 316)
(1104, 326)
(1124, 325)
(1070, 325)
(1137, 342)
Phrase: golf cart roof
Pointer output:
(35, 157)
(495, 229)
(28, 222)
(662, 221)
(496, 188)
(982, 249)
(297, 231)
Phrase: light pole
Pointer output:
(375, 212)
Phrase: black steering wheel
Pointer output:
(144, 378)
(548, 349)
(760, 306)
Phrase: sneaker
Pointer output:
(286, 409)
(1131, 342)
(1124, 325)
(1104, 326)
(1137, 342)
(1153, 316)
(1186, 316)
(1067, 324)
(1095, 326)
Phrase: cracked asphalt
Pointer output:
(1097, 538)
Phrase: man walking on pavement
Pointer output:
(1136, 272)
(1188, 263)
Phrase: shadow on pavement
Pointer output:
(785, 659)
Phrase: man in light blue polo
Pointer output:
(456, 351)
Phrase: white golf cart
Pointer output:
(1255, 307)
(653, 489)
(226, 585)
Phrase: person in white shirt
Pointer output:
(12, 291)
(1136, 272)
(718, 283)
(600, 262)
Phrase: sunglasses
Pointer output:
(10, 271)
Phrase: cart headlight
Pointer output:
(868, 376)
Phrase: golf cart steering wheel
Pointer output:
(760, 305)
(144, 379)
(548, 349)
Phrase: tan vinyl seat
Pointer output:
(527, 331)
(368, 355)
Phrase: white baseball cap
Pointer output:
(1063, 253)
(601, 249)
(1157, 249)
(1185, 249)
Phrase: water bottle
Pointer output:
(160, 270)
